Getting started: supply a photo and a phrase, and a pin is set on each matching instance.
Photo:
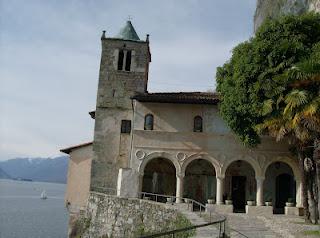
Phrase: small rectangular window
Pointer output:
(128, 61)
(120, 60)
(126, 126)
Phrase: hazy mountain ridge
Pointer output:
(4, 175)
(37, 169)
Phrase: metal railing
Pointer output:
(243, 235)
(172, 199)
(189, 228)
(188, 201)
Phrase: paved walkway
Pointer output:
(249, 226)
(289, 226)
(242, 225)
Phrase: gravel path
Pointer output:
(289, 226)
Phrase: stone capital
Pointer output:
(141, 174)
(260, 178)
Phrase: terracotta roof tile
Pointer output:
(69, 149)
(179, 97)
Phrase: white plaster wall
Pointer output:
(173, 138)
(179, 117)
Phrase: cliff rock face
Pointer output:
(275, 8)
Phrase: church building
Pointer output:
(172, 143)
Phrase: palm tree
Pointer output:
(294, 113)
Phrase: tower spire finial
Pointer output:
(103, 35)
(129, 17)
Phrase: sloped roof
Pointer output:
(69, 149)
(128, 32)
(92, 114)
(179, 97)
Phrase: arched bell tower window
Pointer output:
(197, 124)
(148, 122)
(124, 60)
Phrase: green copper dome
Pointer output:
(128, 32)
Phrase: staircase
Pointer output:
(195, 219)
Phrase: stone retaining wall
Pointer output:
(110, 216)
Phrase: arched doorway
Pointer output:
(240, 184)
(279, 186)
(200, 180)
(159, 177)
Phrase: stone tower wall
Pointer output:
(111, 148)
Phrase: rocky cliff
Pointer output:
(274, 8)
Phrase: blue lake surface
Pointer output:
(24, 215)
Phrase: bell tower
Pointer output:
(124, 71)
(124, 68)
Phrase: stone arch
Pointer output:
(203, 156)
(288, 161)
(155, 155)
(240, 183)
(254, 164)
(282, 181)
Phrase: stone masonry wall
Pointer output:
(111, 149)
(109, 216)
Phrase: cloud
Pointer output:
(50, 55)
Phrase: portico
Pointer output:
(202, 177)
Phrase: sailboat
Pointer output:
(43, 195)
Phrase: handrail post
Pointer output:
(224, 228)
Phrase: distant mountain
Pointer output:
(4, 175)
(38, 169)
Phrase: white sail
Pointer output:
(43, 195)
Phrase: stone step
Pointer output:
(195, 219)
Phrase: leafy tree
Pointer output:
(251, 76)
(269, 84)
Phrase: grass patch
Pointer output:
(178, 223)
(183, 222)
(312, 233)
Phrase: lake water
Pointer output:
(24, 215)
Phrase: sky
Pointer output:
(50, 54)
